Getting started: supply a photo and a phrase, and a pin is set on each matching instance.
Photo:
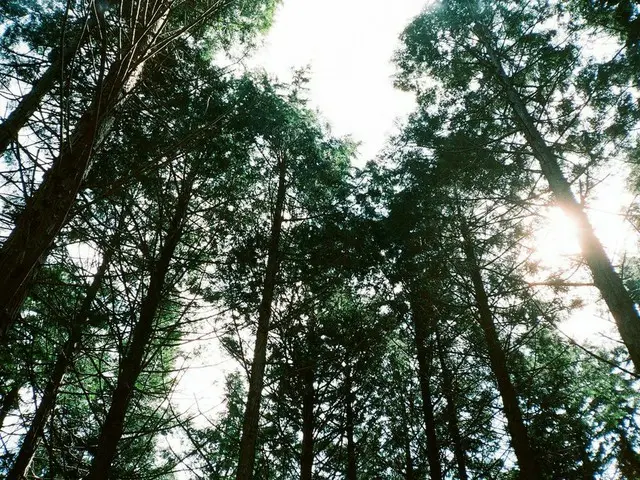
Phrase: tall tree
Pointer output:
(299, 153)
(519, 64)
(146, 32)
(515, 421)
(63, 360)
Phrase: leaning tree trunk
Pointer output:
(628, 458)
(515, 423)
(451, 410)
(408, 460)
(46, 211)
(605, 278)
(64, 359)
(30, 102)
(251, 419)
(406, 414)
(131, 365)
(403, 401)
(421, 314)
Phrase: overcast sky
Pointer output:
(348, 44)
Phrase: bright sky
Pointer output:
(349, 45)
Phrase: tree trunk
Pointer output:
(9, 402)
(628, 458)
(408, 459)
(404, 404)
(46, 211)
(405, 431)
(352, 465)
(251, 419)
(308, 404)
(421, 314)
(131, 365)
(451, 411)
(588, 469)
(64, 359)
(29, 103)
(605, 278)
(497, 358)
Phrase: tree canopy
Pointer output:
(161, 213)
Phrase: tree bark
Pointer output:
(352, 464)
(405, 431)
(64, 359)
(251, 419)
(451, 411)
(9, 402)
(628, 458)
(45, 213)
(498, 361)
(308, 404)
(421, 315)
(131, 365)
(605, 278)
(29, 103)
(408, 459)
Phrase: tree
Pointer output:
(291, 148)
(518, 65)
(47, 210)
(383, 323)
(63, 360)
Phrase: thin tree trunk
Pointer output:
(420, 314)
(628, 458)
(405, 405)
(451, 410)
(588, 468)
(251, 419)
(9, 402)
(131, 365)
(29, 103)
(308, 404)
(408, 459)
(352, 465)
(407, 413)
(46, 211)
(64, 359)
(605, 278)
(497, 358)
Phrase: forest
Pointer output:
(163, 208)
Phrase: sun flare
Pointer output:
(557, 241)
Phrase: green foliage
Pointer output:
(358, 250)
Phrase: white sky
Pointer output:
(349, 45)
